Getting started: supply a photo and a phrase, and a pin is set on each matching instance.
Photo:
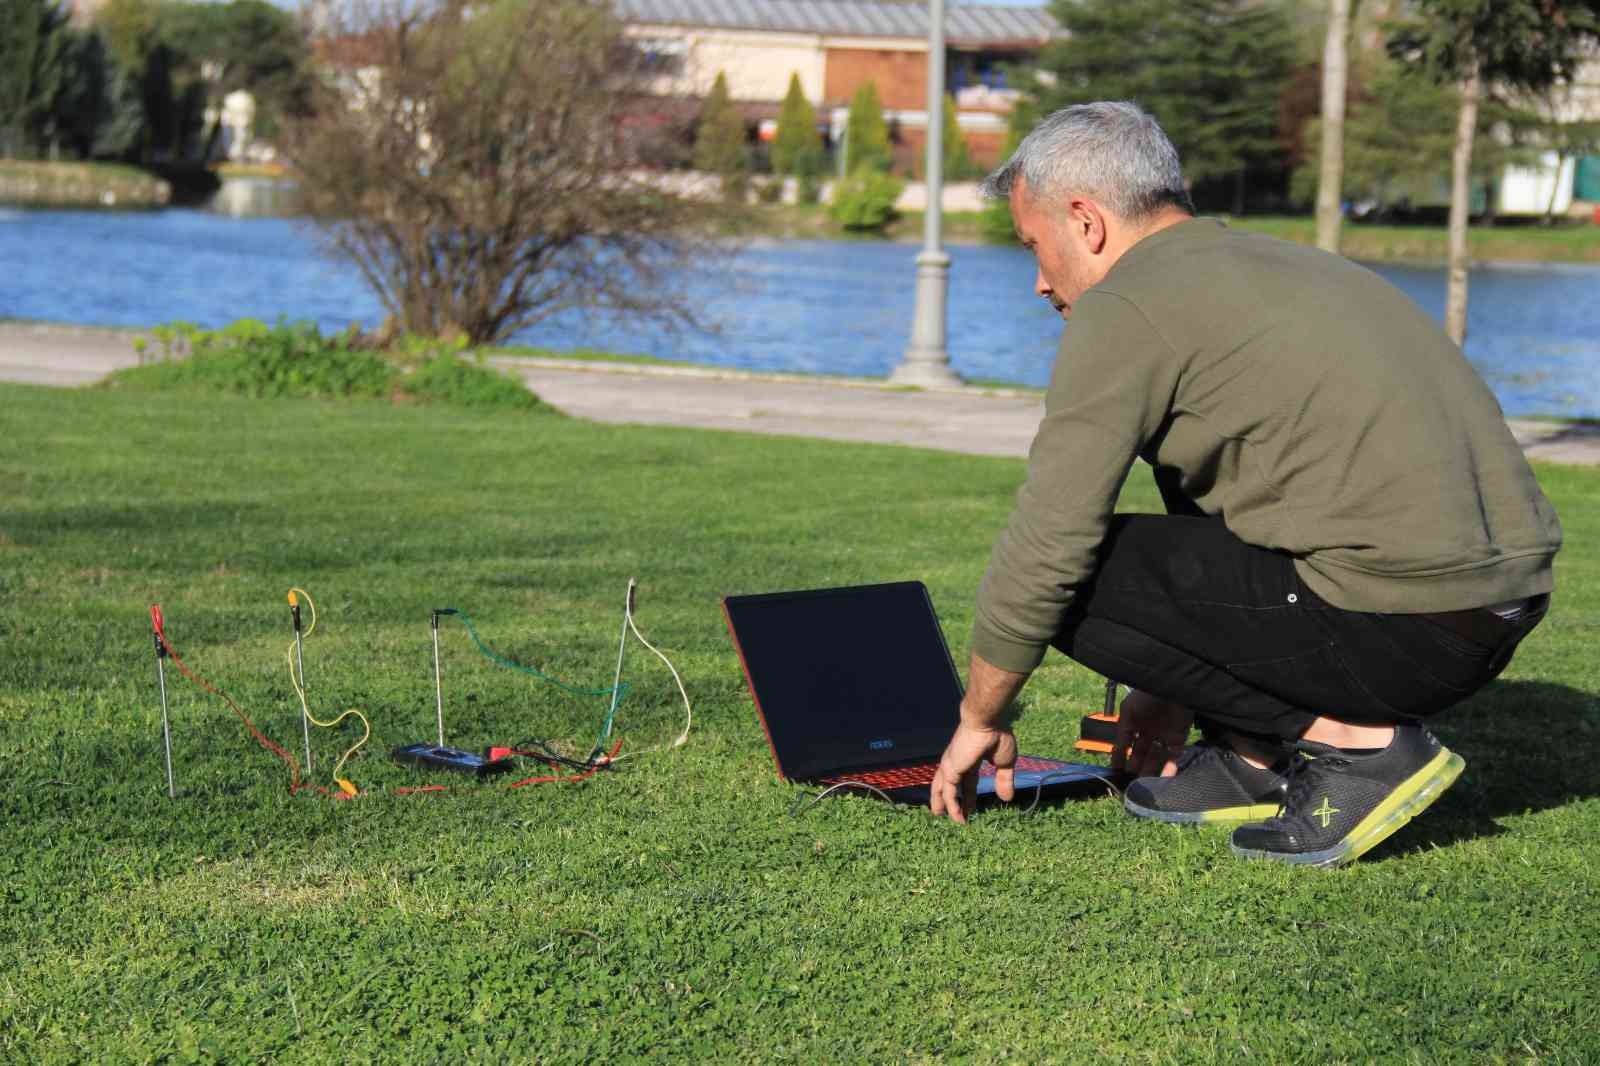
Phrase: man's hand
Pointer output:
(982, 733)
(1150, 734)
(955, 784)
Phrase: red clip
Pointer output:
(498, 753)
(155, 619)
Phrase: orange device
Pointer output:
(1098, 732)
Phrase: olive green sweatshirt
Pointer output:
(1299, 396)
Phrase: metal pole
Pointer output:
(305, 717)
(622, 646)
(438, 687)
(166, 728)
(927, 362)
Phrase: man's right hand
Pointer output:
(1150, 734)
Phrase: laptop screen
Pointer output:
(849, 678)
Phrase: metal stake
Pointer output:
(438, 688)
(622, 646)
(300, 663)
(166, 728)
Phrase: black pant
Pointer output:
(1186, 611)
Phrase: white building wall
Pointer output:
(1527, 190)
(757, 65)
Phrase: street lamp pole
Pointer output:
(926, 361)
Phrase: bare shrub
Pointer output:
(480, 164)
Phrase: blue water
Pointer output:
(836, 307)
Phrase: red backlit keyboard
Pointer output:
(922, 773)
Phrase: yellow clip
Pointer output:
(347, 787)
(293, 602)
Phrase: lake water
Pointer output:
(834, 307)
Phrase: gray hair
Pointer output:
(1112, 151)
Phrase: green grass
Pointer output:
(1566, 243)
(670, 909)
(1563, 243)
(251, 358)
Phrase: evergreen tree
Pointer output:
(33, 47)
(866, 133)
(719, 145)
(1477, 45)
(997, 224)
(958, 164)
(1210, 71)
(796, 141)
(1398, 140)
(84, 104)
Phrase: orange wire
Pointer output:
(295, 785)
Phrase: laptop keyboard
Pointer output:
(922, 773)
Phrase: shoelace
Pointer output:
(1300, 783)
(1199, 751)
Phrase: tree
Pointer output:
(997, 222)
(1569, 141)
(958, 165)
(1398, 140)
(866, 135)
(85, 105)
(719, 145)
(33, 46)
(470, 167)
(1526, 45)
(1210, 71)
(1335, 74)
(795, 145)
(247, 45)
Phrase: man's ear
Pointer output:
(1088, 222)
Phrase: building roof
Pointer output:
(846, 18)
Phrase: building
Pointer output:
(836, 46)
(1554, 183)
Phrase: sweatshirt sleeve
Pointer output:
(1109, 393)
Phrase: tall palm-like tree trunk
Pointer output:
(1455, 304)
(1335, 73)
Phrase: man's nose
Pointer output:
(1041, 286)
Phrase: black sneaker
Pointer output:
(1213, 784)
(1341, 805)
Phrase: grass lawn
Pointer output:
(1566, 243)
(670, 908)
(1371, 242)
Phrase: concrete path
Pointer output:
(972, 420)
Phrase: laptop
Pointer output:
(856, 687)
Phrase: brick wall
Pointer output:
(901, 77)
(982, 147)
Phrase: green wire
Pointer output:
(500, 660)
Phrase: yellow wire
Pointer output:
(297, 679)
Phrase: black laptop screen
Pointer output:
(848, 679)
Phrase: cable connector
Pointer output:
(155, 631)
(294, 609)
(495, 754)
(347, 787)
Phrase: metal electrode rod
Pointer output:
(300, 664)
(438, 687)
(622, 646)
(166, 728)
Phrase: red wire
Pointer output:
(295, 784)
(547, 779)
(590, 772)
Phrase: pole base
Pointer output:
(925, 370)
